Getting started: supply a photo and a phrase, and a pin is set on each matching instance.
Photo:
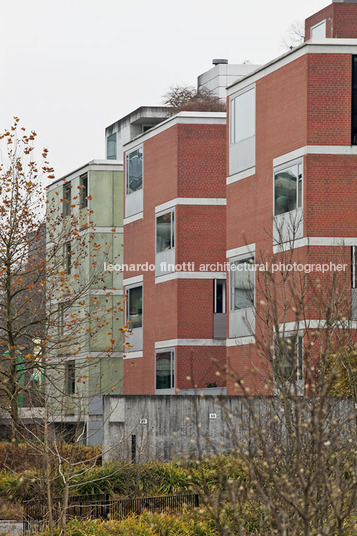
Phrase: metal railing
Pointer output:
(35, 516)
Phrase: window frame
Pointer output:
(239, 260)
(172, 229)
(215, 285)
(83, 183)
(299, 358)
(67, 198)
(299, 164)
(172, 374)
(232, 115)
(127, 155)
(70, 377)
(128, 302)
(67, 254)
(114, 136)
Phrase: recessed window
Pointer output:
(288, 359)
(134, 171)
(165, 231)
(67, 199)
(135, 307)
(219, 295)
(68, 257)
(165, 370)
(288, 189)
(60, 319)
(112, 147)
(70, 378)
(242, 275)
(83, 183)
(242, 131)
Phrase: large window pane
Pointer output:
(165, 370)
(285, 190)
(244, 116)
(135, 307)
(242, 284)
(165, 231)
(112, 147)
(134, 171)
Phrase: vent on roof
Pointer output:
(221, 61)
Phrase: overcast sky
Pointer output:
(69, 68)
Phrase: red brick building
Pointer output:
(292, 192)
(175, 224)
(275, 189)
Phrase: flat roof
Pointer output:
(185, 117)
(108, 165)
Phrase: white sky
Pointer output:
(71, 67)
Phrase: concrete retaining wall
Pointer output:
(143, 428)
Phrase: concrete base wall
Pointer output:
(141, 428)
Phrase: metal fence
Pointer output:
(35, 516)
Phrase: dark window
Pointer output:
(67, 199)
(68, 257)
(83, 182)
(60, 319)
(219, 296)
(135, 307)
(112, 147)
(70, 378)
(165, 370)
(354, 100)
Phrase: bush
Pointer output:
(146, 524)
(23, 458)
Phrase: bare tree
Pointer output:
(295, 35)
(187, 98)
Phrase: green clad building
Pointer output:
(84, 299)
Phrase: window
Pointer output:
(135, 307)
(219, 296)
(242, 131)
(70, 378)
(288, 189)
(318, 31)
(242, 283)
(60, 319)
(112, 147)
(288, 358)
(165, 370)
(354, 100)
(68, 257)
(83, 183)
(243, 116)
(134, 171)
(67, 199)
(165, 232)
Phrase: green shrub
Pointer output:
(146, 524)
